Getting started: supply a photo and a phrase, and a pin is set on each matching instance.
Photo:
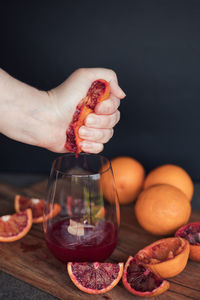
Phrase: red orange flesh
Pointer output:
(141, 281)
(95, 278)
(16, 226)
(191, 232)
(37, 207)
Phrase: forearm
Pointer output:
(22, 109)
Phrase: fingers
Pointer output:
(98, 127)
(91, 147)
(102, 121)
(97, 135)
(92, 74)
(98, 130)
(107, 107)
(116, 90)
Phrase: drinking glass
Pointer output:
(86, 228)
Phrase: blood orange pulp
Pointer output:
(95, 278)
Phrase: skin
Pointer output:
(41, 118)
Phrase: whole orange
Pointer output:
(129, 177)
(162, 209)
(173, 175)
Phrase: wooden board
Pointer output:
(30, 260)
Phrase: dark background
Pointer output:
(154, 47)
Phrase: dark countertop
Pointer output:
(12, 288)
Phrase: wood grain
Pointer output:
(30, 260)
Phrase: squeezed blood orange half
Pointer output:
(95, 278)
(191, 232)
(16, 226)
(99, 91)
(37, 207)
(141, 281)
(166, 257)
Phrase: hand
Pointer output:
(41, 118)
(98, 127)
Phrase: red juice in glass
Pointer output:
(95, 243)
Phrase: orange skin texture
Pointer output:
(194, 249)
(52, 214)
(161, 289)
(129, 177)
(23, 232)
(173, 175)
(162, 209)
(195, 252)
(93, 291)
(167, 267)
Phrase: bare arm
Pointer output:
(41, 118)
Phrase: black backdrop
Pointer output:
(154, 46)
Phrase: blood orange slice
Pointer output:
(16, 226)
(191, 232)
(37, 207)
(95, 278)
(99, 91)
(141, 281)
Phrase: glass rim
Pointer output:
(73, 155)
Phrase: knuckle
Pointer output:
(117, 103)
(112, 73)
(109, 106)
(101, 146)
(117, 116)
(111, 133)
(98, 148)
(81, 71)
(110, 121)
(100, 135)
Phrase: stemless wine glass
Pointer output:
(86, 228)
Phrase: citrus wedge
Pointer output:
(166, 257)
(95, 278)
(37, 207)
(141, 281)
(16, 226)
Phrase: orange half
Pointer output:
(166, 257)
(141, 281)
(191, 232)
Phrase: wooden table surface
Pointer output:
(29, 259)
